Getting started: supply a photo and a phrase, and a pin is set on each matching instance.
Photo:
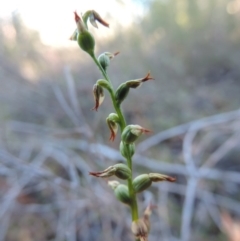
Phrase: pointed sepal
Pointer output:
(113, 121)
(119, 170)
(98, 94)
(131, 133)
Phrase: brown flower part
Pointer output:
(138, 130)
(147, 77)
(147, 214)
(113, 129)
(97, 17)
(113, 55)
(140, 230)
(112, 135)
(138, 82)
(157, 177)
(120, 170)
(76, 17)
(81, 27)
(106, 173)
(110, 55)
(112, 122)
(98, 94)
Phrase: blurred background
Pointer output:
(50, 139)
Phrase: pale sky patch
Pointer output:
(54, 19)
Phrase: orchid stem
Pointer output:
(122, 123)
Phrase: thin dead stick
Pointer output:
(182, 129)
(5, 222)
(74, 100)
(18, 186)
(62, 101)
(150, 163)
(163, 211)
(213, 199)
(213, 211)
(229, 144)
(192, 183)
(72, 92)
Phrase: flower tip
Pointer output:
(171, 179)
(93, 174)
(95, 108)
(99, 19)
(150, 77)
(146, 131)
(77, 18)
(148, 210)
(112, 137)
(147, 77)
(103, 22)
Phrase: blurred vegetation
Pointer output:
(192, 49)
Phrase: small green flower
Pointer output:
(84, 37)
(121, 192)
(123, 89)
(98, 94)
(119, 170)
(138, 82)
(141, 183)
(144, 181)
(104, 59)
(127, 150)
(113, 121)
(131, 133)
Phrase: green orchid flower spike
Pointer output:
(116, 122)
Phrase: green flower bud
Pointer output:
(141, 183)
(122, 194)
(138, 82)
(98, 94)
(127, 150)
(84, 38)
(121, 93)
(104, 83)
(104, 59)
(86, 42)
(120, 170)
(123, 90)
(120, 191)
(132, 132)
(144, 181)
(81, 35)
(114, 117)
(112, 121)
